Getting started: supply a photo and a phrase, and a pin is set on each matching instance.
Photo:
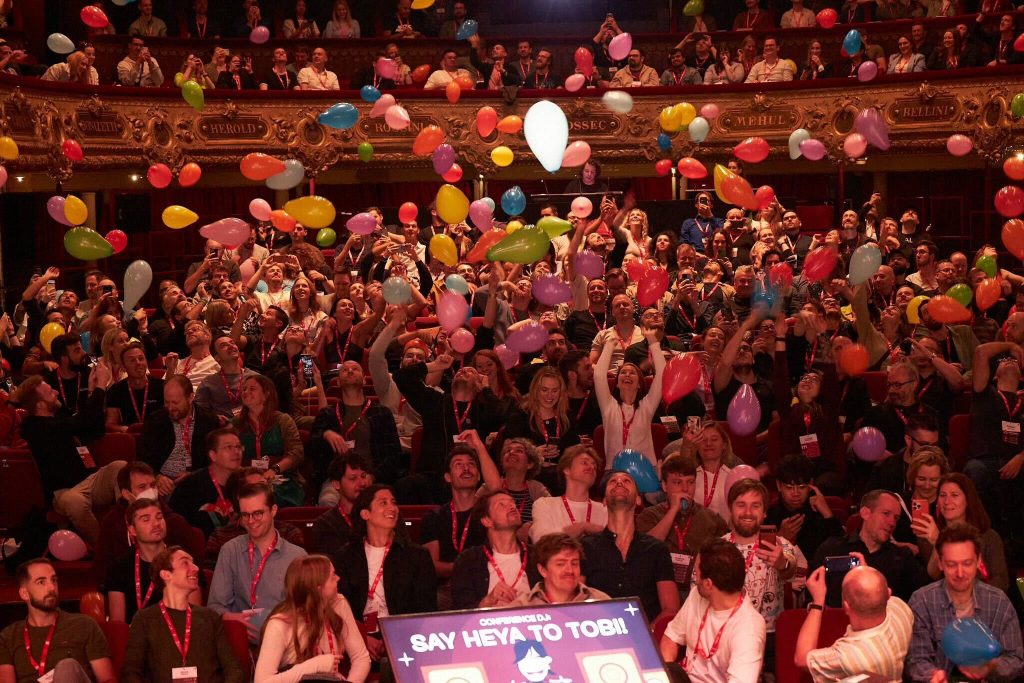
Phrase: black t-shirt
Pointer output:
(762, 390)
(815, 530)
(647, 562)
(135, 404)
(584, 414)
(582, 326)
(437, 526)
(121, 579)
(988, 413)
(71, 391)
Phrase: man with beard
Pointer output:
(923, 279)
(137, 395)
(883, 288)
(892, 416)
(678, 73)
(957, 342)
(407, 420)
(697, 230)
(582, 326)
(262, 350)
(222, 392)
(639, 354)
(793, 240)
(541, 77)
(740, 236)
(71, 376)
(494, 68)
(249, 251)
(624, 332)
(347, 476)
(850, 234)
(890, 473)
(79, 650)
(199, 364)
(636, 74)
(203, 497)
(558, 562)
(554, 349)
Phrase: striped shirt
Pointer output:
(877, 651)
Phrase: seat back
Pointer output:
(876, 382)
(833, 625)
(21, 488)
(959, 441)
(238, 638)
(116, 633)
(416, 448)
(113, 446)
(303, 518)
(412, 517)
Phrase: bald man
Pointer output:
(877, 640)
(1014, 328)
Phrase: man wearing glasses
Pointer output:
(249, 578)
(902, 403)
(139, 69)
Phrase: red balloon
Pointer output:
(820, 263)
(478, 254)
(946, 309)
(653, 283)
(259, 166)
(827, 18)
(1018, 44)
(72, 150)
(692, 169)
(93, 16)
(854, 359)
(682, 374)
(636, 269)
(453, 92)
(1013, 237)
(1013, 167)
(93, 605)
(118, 240)
(736, 190)
(765, 195)
(486, 121)
(1010, 201)
(282, 221)
(159, 176)
(753, 150)
(663, 166)
(453, 174)
(780, 275)
(408, 212)
(584, 61)
(986, 294)
(420, 74)
(189, 174)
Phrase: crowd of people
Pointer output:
(276, 374)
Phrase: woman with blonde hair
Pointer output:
(341, 25)
(311, 629)
(543, 417)
(113, 342)
(710, 446)
(75, 70)
(299, 26)
(635, 234)
(219, 316)
(304, 309)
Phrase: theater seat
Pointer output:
(833, 624)
(116, 633)
(21, 489)
(303, 518)
(876, 381)
(959, 441)
(412, 517)
(238, 638)
(113, 446)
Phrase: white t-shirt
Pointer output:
(740, 651)
(374, 560)
(719, 500)
(311, 79)
(197, 371)
(550, 517)
(509, 564)
(267, 299)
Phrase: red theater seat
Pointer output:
(833, 625)
(876, 381)
(113, 446)
(238, 638)
(303, 518)
(116, 633)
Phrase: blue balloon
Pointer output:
(968, 642)
(369, 93)
(852, 42)
(513, 202)
(341, 116)
(456, 283)
(466, 29)
(664, 142)
(639, 468)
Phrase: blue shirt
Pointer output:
(698, 229)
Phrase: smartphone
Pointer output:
(51, 283)
(692, 423)
(918, 508)
(108, 289)
(306, 363)
(768, 534)
(840, 564)
(212, 253)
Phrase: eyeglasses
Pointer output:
(256, 516)
(919, 443)
(897, 385)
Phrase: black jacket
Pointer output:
(158, 437)
(330, 532)
(410, 585)
(54, 443)
(471, 576)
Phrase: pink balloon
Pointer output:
(873, 127)
(855, 145)
(509, 358)
(550, 290)
(67, 546)
(575, 82)
(482, 215)
(576, 154)
(362, 223)
(752, 150)
(529, 338)
(709, 111)
(381, 106)
(55, 207)
(589, 265)
(869, 444)
(813, 150)
(620, 46)
(259, 35)
(744, 411)
(959, 145)
(397, 117)
(246, 269)
(451, 311)
(228, 231)
(3, 176)
(582, 207)
(118, 240)
(462, 340)
(867, 71)
(682, 374)
(739, 473)
(159, 176)
(387, 67)
(259, 209)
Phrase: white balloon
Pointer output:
(618, 101)
(699, 129)
(795, 138)
(547, 134)
(60, 43)
(137, 279)
(293, 174)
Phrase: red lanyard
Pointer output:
(216, 485)
(558, 430)
(497, 569)
(78, 390)
(626, 426)
(380, 574)
(681, 535)
(141, 415)
(460, 420)
(259, 572)
(183, 649)
(461, 543)
(704, 294)
(709, 494)
(601, 326)
(201, 28)
(624, 343)
(264, 353)
(237, 396)
(679, 78)
(699, 650)
(749, 560)
(40, 666)
(524, 70)
(138, 584)
(807, 421)
(927, 386)
(748, 22)
(284, 80)
(352, 427)
(901, 415)
(188, 364)
(259, 441)
(1006, 403)
(342, 353)
(330, 640)
(572, 518)
(583, 406)
(691, 322)
(813, 353)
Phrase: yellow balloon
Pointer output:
(669, 119)
(442, 247)
(313, 212)
(8, 148)
(177, 217)
(502, 156)
(721, 174)
(452, 204)
(914, 309)
(48, 333)
(75, 210)
(512, 226)
(686, 113)
(422, 4)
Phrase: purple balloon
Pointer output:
(55, 207)
(452, 309)
(444, 157)
(482, 215)
(529, 338)
(67, 546)
(739, 473)
(869, 444)
(873, 127)
(813, 149)
(867, 71)
(744, 411)
(589, 265)
(551, 291)
(509, 358)
(362, 223)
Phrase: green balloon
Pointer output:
(526, 245)
(193, 94)
(554, 226)
(87, 244)
(694, 8)
(987, 264)
(961, 293)
(326, 237)
(365, 151)
(1017, 105)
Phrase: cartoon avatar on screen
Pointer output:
(532, 660)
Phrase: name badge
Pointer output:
(809, 446)
(47, 677)
(671, 423)
(1011, 432)
(682, 567)
(86, 457)
(263, 464)
(185, 674)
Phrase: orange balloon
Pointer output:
(189, 174)
(986, 294)
(1013, 167)
(692, 169)
(946, 309)
(453, 92)
(1013, 237)
(427, 140)
(854, 360)
(486, 121)
(510, 124)
(282, 221)
(737, 191)
(478, 254)
(465, 82)
(420, 74)
(258, 166)
(93, 605)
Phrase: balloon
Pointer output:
(852, 43)
(1013, 237)
(986, 294)
(67, 546)
(914, 309)
(456, 283)
(635, 269)
(501, 156)
(867, 71)
(1017, 105)
(780, 275)
(259, 35)
(855, 145)
(959, 145)
(427, 140)
(189, 174)
(738, 474)
(827, 18)
(313, 211)
(744, 411)
(687, 113)
(117, 239)
(453, 92)
(960, 293)
(179, 80)
(663, 166)
(864, 263)
(48, 333)
(875, 130)
(362, 223)
(259, 209)
(709, 111)
(442, 247)
(682, 374)
(547, 133)
(326, 237)
(72, 150)
(584, 61)
(396, 291)
(293, 174)
(281, 220)
(467, 29)
(452, 204)
(733, 189)
(638, 467)
(869, 444)
(652, 285)
(340, 116)
(527, 245)
(1013, 167)
(86, 244)
(137, 279)
(581, 207)
(670, 119)
(512, 226)
(945, 309)
(509, 358)
(693, 8)
(619, 46)
(8, 148)
(576, 154)
(1018, 44)
(486, 121)
(814, 150)
(55, 207)
(820, 263)
(510, 124)
(75, 210)
(1010, 201)
(699, 129)
(795, 138)
(397, 117)
(554, 226)
(589, 265)
(452, 309)
(368, 93)
(365, 152)
(529, 338)
(854, 359)
(478, 254)
(753, 150)
(550, 290)
(481, 215)
(420, 74)
(689, 167)
(259, 166)
(381, 106)
(92, 604)
(453, 174)
(408, 212)
(986, 264)
(575, 82)
(462, 340)
(60, 43)
(93, 17)
(618, 101)
(513, 201)
(159, 176)
(193, 95)
(764, 196)
(227, 231)
(664, 142)
(3, 176)
(969, 642)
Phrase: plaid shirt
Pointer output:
(933, 611)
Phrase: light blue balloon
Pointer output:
(513, 202)
(341, 116)
(852, 42)
(466, 30)
(456, 283)
(396, 291)
(698, 129)
(369, 93)
(969, 642)
(293, 174)
(489, 202)
(664, 142)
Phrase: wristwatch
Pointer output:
(814, 605)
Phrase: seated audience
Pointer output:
(299, 25)
(238, 75)
(147, 25)
(139, 69)
(559, 562)
(573, 513)
(317, 76)
(347, 476)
